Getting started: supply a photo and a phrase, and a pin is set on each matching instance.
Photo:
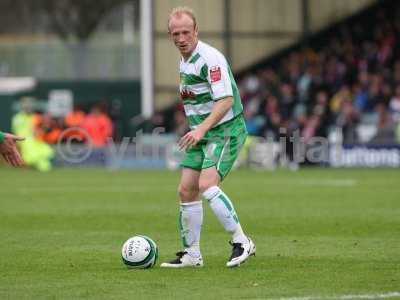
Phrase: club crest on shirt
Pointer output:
(215, 73)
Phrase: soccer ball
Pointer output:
(139, 252)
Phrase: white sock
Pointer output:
(190, 221)
(223, 208)
(238, 236)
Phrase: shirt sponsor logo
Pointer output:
(215, 74)
(185, 94)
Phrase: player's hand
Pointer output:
(8, 149)
(191, 138)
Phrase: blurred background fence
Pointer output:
(52, 60)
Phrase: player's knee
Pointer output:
(208, 181)
(187, 193)
(208, 178)
(204, 185)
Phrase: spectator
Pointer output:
(47, 129)
(386, 128)
(35, 153)
(98, 127)
(394, 105)
(347, 121)
(273, 117)
(74, 121)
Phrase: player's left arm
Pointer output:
(220, 109)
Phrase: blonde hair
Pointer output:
(182, 10)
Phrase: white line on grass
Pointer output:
(344, 297)
(327, 182)
(319, 182)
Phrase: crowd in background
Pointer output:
(348, 77)
(41, 130)
(93, 123)
(345, 78)
(353, 78)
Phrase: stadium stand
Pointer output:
(346, 76)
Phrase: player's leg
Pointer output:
(190, 214)
(221, 154)
(223, 208)
(220, 203)
(191, 211)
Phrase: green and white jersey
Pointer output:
(204, 79)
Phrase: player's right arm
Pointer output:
(218, 112)
(222, 94)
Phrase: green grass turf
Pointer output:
(319, 232)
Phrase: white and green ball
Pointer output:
(139, 252)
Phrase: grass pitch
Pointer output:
(319, 232)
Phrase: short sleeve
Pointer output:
(218, 77)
